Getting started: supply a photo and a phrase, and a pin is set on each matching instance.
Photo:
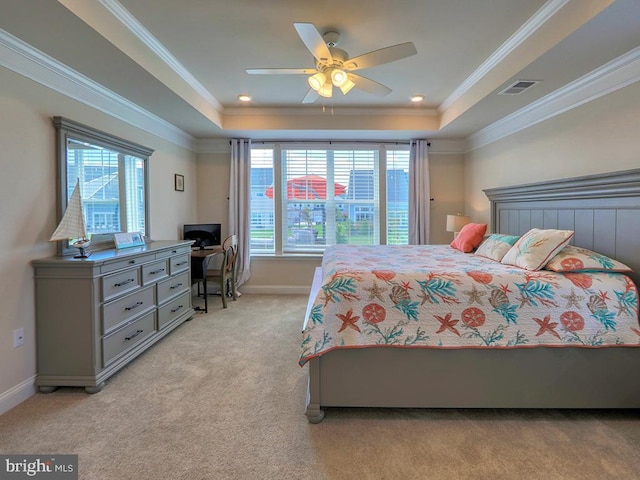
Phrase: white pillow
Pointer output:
(496, 246)
(535, 248)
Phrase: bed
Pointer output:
(604, 213)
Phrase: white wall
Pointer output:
(28, 213)
(597, 137)
(213, 185)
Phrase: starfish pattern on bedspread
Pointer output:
(433, 296)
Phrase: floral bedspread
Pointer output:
(435, 296)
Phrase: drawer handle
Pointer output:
(177, 308)
(134, 335)
(157, 271)
(181, 263)
(177, 285)
(131, 262)
(124, 283)
(134, 306)
(174, 251)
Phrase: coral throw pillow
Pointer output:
(577, 259)
(469, 237)
(536, 247)
(496, 246)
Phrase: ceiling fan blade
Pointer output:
(384, 55)
(314, 42)
(368, 85)
(311, 96)
(281, 71)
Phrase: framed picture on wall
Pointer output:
(179, 182)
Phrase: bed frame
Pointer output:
(604, 212)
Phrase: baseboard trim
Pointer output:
(275, 290)
(16, 395)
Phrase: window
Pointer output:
(112, 174)
(306, 197)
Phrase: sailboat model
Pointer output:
(72, 224)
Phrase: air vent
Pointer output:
(519, 87)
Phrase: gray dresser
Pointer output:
(95, 315)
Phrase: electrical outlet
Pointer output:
(18, 337)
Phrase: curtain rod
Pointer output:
(331, 142)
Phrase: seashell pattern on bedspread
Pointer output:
(433, 296)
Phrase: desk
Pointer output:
(198, 253)
(200, 260)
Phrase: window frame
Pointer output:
(278, 147)
(66, 130)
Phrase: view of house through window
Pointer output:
(303, 199)
(111, 187)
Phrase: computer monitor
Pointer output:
(203, 234)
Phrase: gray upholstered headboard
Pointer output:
(603, 210)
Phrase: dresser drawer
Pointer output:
(119, 311)
(172, 310)
(173, 286)
(122, 340)
(152, 272)
(124, 263)
(174, 251)
(179, 263)
(120, 283)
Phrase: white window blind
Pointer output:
(397, 197)
(325, 195)
(262, 225)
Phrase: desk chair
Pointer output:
(226, 275)
(199, 267)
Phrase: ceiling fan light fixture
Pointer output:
(326, 90)
(339, 77)
(317, 81)
(347, 86)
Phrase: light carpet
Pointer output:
(222, 397)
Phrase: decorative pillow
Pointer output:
(469, 237)
(535, 248)
(577, 259)
(496, 246)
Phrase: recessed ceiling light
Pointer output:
(244, 98)
(417, 98)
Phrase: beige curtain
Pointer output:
(239, 199)
(419, 193)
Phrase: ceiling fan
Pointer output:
(334, 68)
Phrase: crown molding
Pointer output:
(547, 11)
(141, 33)
(22, 58)
(617, 74)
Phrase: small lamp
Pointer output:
(347, 86)
(338, 77)
(317, 81)
(326, 90)
(456, 222)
